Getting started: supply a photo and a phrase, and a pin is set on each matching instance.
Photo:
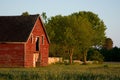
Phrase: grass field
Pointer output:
(106, 71)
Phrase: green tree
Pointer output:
(69, 37)
(44, 16)
(25, 13)
(97, 25)
(80, 31)
(62, 34)
(94, 37)
(107, 50)
(108, 44)
(95, 55)
(54, 30)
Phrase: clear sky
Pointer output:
(107, 10)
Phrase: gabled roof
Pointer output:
(16, 28)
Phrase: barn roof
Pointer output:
(16, 28)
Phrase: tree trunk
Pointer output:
(71, 55)
(85, 57)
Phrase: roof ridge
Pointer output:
(19, 15)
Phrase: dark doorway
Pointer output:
(37, 44)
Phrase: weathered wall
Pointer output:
(11, 55)
(30, 46)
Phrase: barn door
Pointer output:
(36, 55)
(36, 59)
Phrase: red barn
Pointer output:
(23, 41)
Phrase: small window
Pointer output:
(42, 39)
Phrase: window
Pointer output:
(42, 39)
(37, 43)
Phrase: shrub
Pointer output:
(96, 56)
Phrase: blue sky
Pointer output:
(107, 10)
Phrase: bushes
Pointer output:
(95, 55)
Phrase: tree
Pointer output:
(76, 31)
(44, 16)
(25, 13)
(108, 44)
(54, 31)
(116, 54)
(61, 34)
(109, 52)
(83, 35)
(95, 55)
(69, 37)
(95, 27)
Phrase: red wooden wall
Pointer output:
(30, 47)
(11, 55)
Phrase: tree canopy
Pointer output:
(75, 33)
(108, 44)
(25, 13)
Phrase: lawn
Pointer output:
(106, 71)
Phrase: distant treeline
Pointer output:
(111, 55)
(107, 52)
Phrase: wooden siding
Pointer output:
(30, 47)
(11, 55)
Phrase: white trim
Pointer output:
(33, 28)
(43, 26)
(32, 38)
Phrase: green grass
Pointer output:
(63, 72)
